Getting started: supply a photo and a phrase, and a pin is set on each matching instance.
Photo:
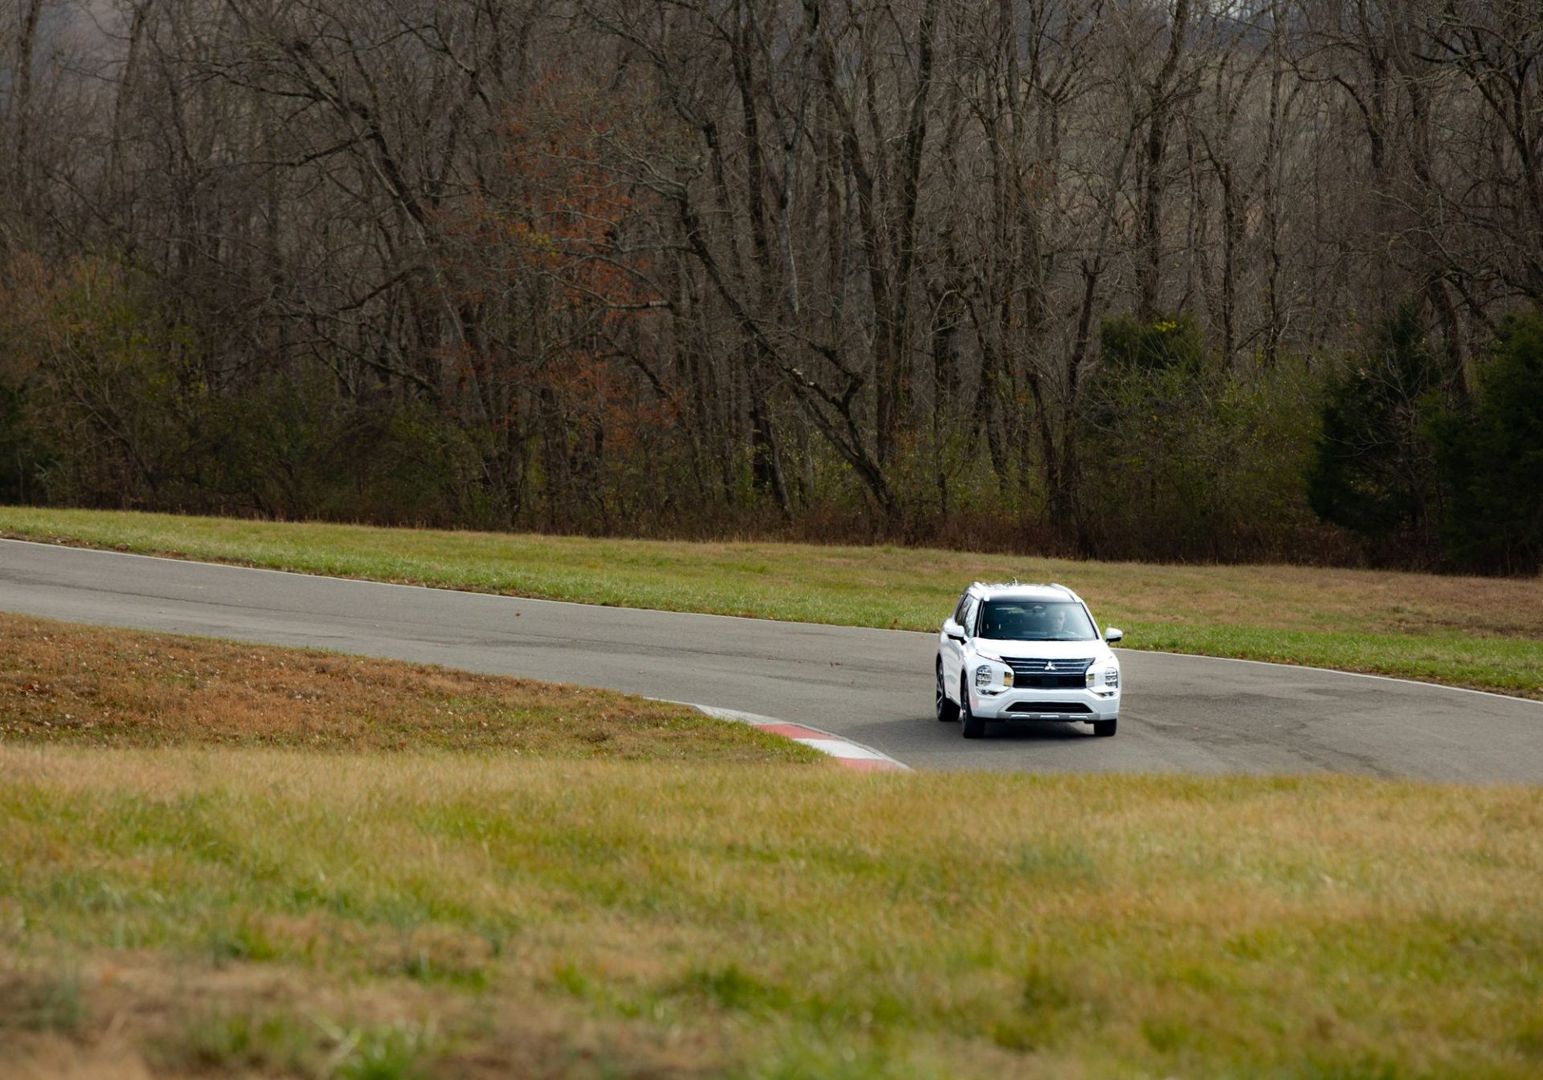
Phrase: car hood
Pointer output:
(1044, 650)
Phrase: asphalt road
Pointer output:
(1180, 713)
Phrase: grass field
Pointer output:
(1484, 633)
(450, 914)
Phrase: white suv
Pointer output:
(1026, 652)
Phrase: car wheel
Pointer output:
(972, 726)
(1105, 727)
(948, 711)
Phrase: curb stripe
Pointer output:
(845, 752)
(848, 754)
(840, 748)
(791, 731)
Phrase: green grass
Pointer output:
(1476, 632)
(453, 915)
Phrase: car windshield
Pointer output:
(1035, 620)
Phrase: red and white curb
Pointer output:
(849, 754)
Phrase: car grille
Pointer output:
(1031, 673)
(1040, 707)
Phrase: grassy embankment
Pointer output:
(62, 684)
(187, 883)
(1478, 632)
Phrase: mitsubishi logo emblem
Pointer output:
(1049, 665)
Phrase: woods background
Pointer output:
(1156, 280)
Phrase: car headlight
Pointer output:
(993, 677)
(1109, 677)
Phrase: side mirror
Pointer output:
(1111, 635)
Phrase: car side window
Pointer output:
(971, 606)
(964, 601)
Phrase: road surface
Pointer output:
(1180, 713)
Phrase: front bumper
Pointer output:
(1045, 705)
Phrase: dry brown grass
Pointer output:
(1315, 598)
(61, 683)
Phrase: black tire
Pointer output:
(948, 711)
(1105, 728)
(972, 726)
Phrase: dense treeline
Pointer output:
(1140, 279)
